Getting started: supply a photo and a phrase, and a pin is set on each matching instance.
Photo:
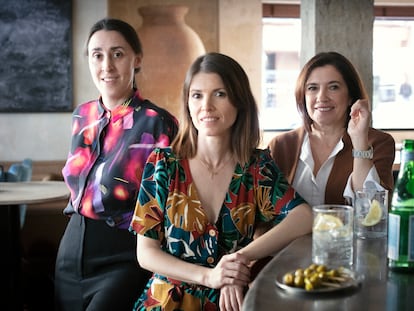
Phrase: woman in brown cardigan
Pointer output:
(336, 151)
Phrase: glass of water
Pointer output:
(371, 213)
(332, 235)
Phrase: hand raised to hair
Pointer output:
(359, 124)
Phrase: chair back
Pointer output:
(27, 169)
(19, 171)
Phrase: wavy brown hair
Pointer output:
(245, 130)
(348, 72)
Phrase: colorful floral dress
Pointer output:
(169, 210)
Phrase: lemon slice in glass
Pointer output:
(325, 222)
(374, 214)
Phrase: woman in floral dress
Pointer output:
(202, 199)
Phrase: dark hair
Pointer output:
(348, 72)
(246, 131)
(125, 29)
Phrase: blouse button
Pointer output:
(212, 232)
(210, 260)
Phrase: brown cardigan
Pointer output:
(285, 150)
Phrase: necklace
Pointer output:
(214, 171)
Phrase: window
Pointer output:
(393, 67)
(281, 67)
(393, 70)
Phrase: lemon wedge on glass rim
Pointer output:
(325, 222)
(374, 214)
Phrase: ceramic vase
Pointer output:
(170, 46)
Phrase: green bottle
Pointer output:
(401, 214)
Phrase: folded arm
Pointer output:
(232, 269)
(297, 223)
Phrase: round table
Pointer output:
(381, 289)
(13, 194)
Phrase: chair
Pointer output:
(2, 174)
(21, 171)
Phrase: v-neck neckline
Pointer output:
(186, 164)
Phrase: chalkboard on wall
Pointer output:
(35, 56)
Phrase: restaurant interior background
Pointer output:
(233, 27)
(221, 24)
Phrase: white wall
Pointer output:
(240, 36)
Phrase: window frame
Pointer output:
(293, 10)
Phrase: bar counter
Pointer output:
(380, 288)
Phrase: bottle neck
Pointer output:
(406, 156)
(404, 185)
(406, 165)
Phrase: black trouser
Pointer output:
(96, 268)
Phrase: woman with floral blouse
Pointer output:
(202, 199)
(112, 136)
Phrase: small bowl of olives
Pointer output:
(317, 279)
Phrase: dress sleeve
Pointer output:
(148, 215)
(275, 196)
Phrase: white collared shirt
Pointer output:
(312, 188)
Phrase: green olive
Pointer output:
(308, 284)
(314, 279)
(308, 272)
(288, 279)
(332, 272)
(322, 276)
(299, 272)
(299, 281)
